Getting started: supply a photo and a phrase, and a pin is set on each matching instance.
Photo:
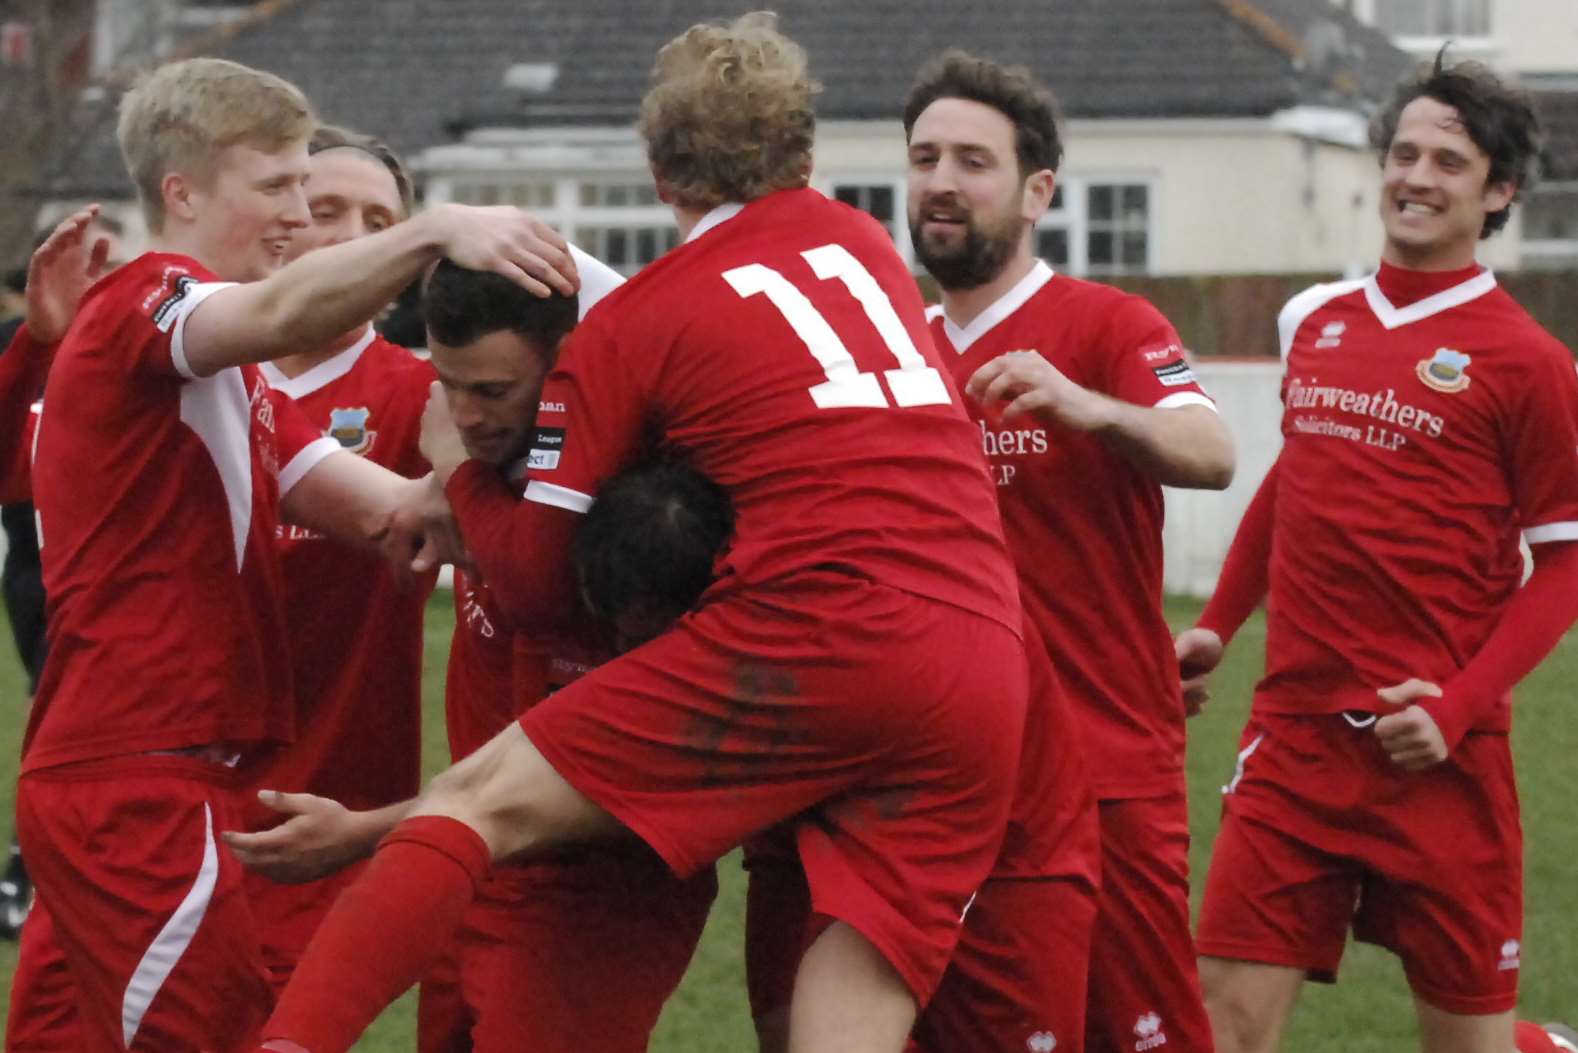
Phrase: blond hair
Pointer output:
(179, 115)
(729, 114)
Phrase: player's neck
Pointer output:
(295, 365)
(963, 306)
(1454, 257)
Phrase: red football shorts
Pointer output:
(43, 1012)
(1320, 830)
(1144, 918)
(147, 906)
(896, 718)
(286, 916)
(566, 955)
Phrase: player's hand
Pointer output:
(423, 534)
(320, 837)
(1411, 737)
(440, 441)
(1199, 652)
(510, 242)
(1029, 383)
(60, 272)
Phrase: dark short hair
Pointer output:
(651, 538)
(1012, 91)
(460, 306)
(1499, 119)
(333, 137)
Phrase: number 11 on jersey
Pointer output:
(914, 383)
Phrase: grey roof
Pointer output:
(420, 73)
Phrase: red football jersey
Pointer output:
(355, 634)
(1419, 442)
(784, 346)
(1085, 525)
(480, 685)
(157, 495)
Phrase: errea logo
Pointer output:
(1331, 334)
(1148, 1030)
(1511, 956)
(1041, 1042)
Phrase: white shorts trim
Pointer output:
(1243, 755)
(161, 957)
(1551, 532)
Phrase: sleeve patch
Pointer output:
(1174, 374)
(547, 446)
(164, 313)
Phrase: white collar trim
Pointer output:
(324, 373)
(1007, 304)
(1392, 317)
(722, 214)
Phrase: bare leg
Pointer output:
(848, 999)
(1248, 1002)
(1444, 1032)
(511, 796)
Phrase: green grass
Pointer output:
(1368, 1011)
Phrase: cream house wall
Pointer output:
(1536, 36)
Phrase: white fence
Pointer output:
(1200, 523)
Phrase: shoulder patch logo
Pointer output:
(164, 314)
(348, 427)
(1331, 335)
(1446, 370)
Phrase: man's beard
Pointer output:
(977, 260)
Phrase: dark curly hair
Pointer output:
(1011, 90)
(1499, 119)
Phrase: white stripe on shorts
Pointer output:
(160, 959)
(1243, 755)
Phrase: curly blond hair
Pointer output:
(729, 116)
(178, 116)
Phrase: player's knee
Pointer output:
(1245, 1018)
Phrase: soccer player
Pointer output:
(162, 464)
(1085, 404)
(1428, 423)
(859, 659)
(526, 965)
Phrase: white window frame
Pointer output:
(1074, 217)
(828, 184)
(1426, 44)
(1549, 252)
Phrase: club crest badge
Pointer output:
(1446, 370)
(348, 427)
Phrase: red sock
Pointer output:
(382, 933)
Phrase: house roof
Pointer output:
(420, 74)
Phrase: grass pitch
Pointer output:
(1368, 1011)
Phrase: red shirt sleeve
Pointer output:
(1246, 574)
(23, 367)
(162, 293)
(1542, 448)
(298, 445)
(1145, 361)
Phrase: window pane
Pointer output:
(1057, 198)
(646, 195)
(670, 238)
(1100, 202)
(588, 195)
(616, 196)
(618, 248)
(1133, 255)
(881, 203)
(1551, 215)
(646, 245)
(1052, 246)
(1135, 204)
(1433, 18)
(1099, 248)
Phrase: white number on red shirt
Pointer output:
(914, 383)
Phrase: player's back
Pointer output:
(785, 348)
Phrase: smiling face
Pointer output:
(492, 386)
(1435, 190)
(349, 194)
(970, 209)
(242, 219)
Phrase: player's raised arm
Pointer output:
(324, 293)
